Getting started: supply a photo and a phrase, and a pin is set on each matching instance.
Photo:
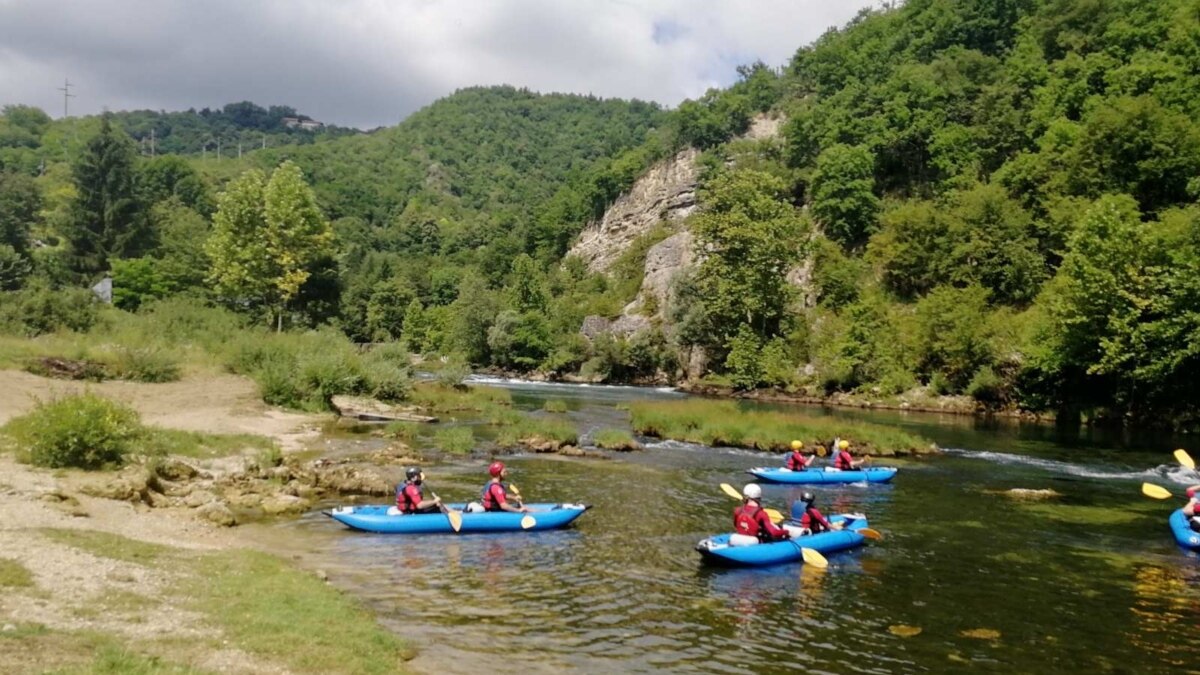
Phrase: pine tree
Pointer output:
(106, 219)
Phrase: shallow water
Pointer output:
(1088, 582)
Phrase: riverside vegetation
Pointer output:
(989, 199)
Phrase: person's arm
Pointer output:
(423, 503)
(1192, 508)
(501, 498)
(766, 523)
(819, 517)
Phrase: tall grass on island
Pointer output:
(725, 423)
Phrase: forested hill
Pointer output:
(485, 163)
(29, 139)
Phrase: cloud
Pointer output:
(371, 62)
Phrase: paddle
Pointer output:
(1185, 459)
(1152, 490)
(528, 521)
(775, 516)
(812, 557)
(453, 516)
(869, 533)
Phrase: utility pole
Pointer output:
(67, 95)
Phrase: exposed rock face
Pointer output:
(764, 127)
(666, 192)
(664, 261)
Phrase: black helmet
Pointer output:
(412, 473)
(808, 498)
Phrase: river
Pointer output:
(1089, 582)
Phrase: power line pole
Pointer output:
(67, 95)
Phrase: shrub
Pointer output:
(388, 382)
(555, 406)
(614, 439)
(986, 386)
(149, 364)
(453, 372)
(39, 310)
(559, 431)
(401, 431)
(458, 440)
(85, 431)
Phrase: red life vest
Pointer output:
(408, 496)
(813, 520)
(745, 520)
(843, 461)
(797, 461)
(491, 501)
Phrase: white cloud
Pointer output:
(371, 62)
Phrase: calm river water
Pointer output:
(1091, 582)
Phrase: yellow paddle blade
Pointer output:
(455, 520)
(870, 533)
(775, 516)
(731, 491)
(513, 489)
(1152, 490)
(1185, 459)
(814, 558)
(527, 522)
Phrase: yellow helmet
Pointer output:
(843, 445)
(796, 445)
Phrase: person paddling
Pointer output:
(1192, 508)
(495, 496)
(798, 460)
(811, 520)
(842, 459)
(410, 495)
(751, 523)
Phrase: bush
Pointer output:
(84, 431)
(149, 364)
(458, 440)
(388, 382)
(40, 310)
(555, 406)
(614, 439)
(453, 372)
(401, 431)
(986, 386)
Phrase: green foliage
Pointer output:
(107, 220)
(83, 431)
(455, 440)
(146, 364)
(555, 406)
(719, 423)
(954, 335)
(406, 432)
(843, 197)
(556, 430)
(137, 280)
(20, 206)
(14, 268)
(986, 386)
(742, 363)
(614, 439)
(519, 341)
(38, 310)
(752, 237)
(304, 370)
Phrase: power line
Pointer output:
(67, 95)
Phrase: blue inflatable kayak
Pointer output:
(775, 474)
(384, 519)
(1184, 534)
(716, 549)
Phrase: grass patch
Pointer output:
(724, 423)
(291, 617)
(401, 431)
(112, 546)
(14, 575)
(201, 445)
(33, 648)
(441, 398)
(560, 431)
(555, 406)
(85, 431)
(614, 439)
(1082, 515)
(457, 440)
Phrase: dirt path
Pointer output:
(70, 583)
(220, 404)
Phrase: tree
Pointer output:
(266, 235)
(519, 341)
(843, 197)
(753, 236)
(106, 219)
(528, 287)
(416, 325)
(14, 267)
(386, 309)
(166, 176)
(20, 203)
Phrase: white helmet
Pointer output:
(752, 491)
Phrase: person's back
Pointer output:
(797, 460)
(495, 497)
(842, 459)
(410, 495)
(810, 518)
(751, 520)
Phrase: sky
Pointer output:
(368, 63)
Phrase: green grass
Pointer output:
(613, 439)
(437, 397)
(545, 428)
(724, 423)
(14, 575)
(112, 546)
(402, 431)
(457, 440)
(555, 406)
(202, 445)
(291, 617)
